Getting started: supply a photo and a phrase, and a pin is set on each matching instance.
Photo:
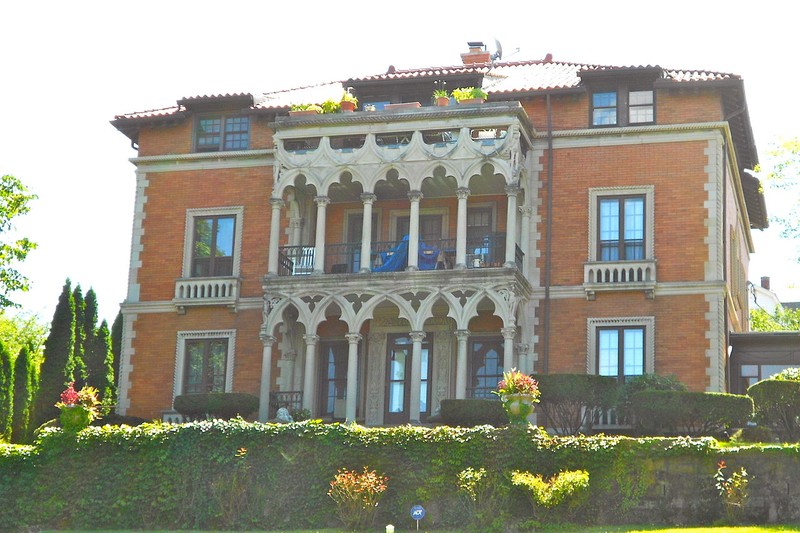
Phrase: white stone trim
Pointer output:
(188, 235)
(649, 323)
(136, 239)
(716, 353)
(180, 356)
(714, 204)
(649, 213)
(205, 160)
(125, 364)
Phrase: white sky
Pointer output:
(68, 67)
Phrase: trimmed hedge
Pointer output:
(569, 400)
(663, 412)
(224, 405)
(213, 475)
(777, 404)
(473, 412)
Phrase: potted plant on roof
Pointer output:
(349, 102)
(442, 97)
(470, 95)
(304, 109)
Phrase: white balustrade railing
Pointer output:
(201, 291)
(619, 275)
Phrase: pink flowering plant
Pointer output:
(78, 408)
(515, 382)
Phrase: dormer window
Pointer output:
(604, 108)
(640, 107)
(622, 107)
(222, 133)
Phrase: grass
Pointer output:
(578, 529)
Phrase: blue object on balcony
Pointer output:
(396, 259)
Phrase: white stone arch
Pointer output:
(334, 177)
(475, 169)
(288, 179)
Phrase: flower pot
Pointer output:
(347, 106)
(471, 101)
(75, 417)
(402, 105)
(518, 407)
(442, 101)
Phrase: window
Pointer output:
(212, 242)
(604, 109)
(213, 246)
(621, 221)
(332, 379)
(204, 362)
(621, 226)
(485, 366)
(214, 134)
(608, 107)
(621, 347)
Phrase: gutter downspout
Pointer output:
(548, 244)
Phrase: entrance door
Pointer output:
(398, 379)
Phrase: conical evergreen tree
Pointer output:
(6, 393)
(24, 388)
(116, 347)
(93, 359)
(102, 377)
(58, 366)
(80, 372)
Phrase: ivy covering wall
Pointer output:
(242, 475)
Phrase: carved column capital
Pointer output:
(322, 200)
(417, 336)
(462, 193)
(311, 339)
(277, 203)
(353, 338)
(415, 196)
(368, 197)
(509, 332)
(267, 340)
(461, 334)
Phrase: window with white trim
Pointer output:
(621, 223)
(204, 362)
(622, 107)
(622, 347)
(212, 244)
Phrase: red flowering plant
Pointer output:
(357, 495)
(78, 408)
(515, 382)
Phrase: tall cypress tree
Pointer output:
(93, 359)
(102, 377)
(116, 347)
(80, 372)
(24, 388)
(58, 366)
(6, 393)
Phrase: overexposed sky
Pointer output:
(68, 67)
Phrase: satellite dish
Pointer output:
(498, 51)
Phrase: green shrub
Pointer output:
(777, 404)
(642, 383)
(224, 405)
(569, 400)
(473, 412)
(548, 494)
(486, 494)
(689, 413)
(754, 434)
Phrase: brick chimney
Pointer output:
(477, 53)
(765, 282)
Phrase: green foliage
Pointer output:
(306, 107)
(669, 412)
(58, 365)
(473, 412)
(357, 495)
(733, 490)
(349, 97)
(6, 393)
(486, 494)
(753, 434)
(80, 372)
(569, 400)
(14, 200)
(782, 319)
(116, 346)
(642, 383)
(331, 106)
(441, 93)
(23, 329)
(465, 93)
(24, 389)
(783, 176)
(223, 405)
(99, 363)
(548, 494)
(777, 404)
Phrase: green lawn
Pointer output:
(572, 529)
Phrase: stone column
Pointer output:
(266, 377)
(295, 228)
(274, 235)
(366, 232)
(416, 376)
(319, 244)
(525, 234)
(523, 361)
(352, 376)
(511, 224)
(508, 347)
(310, 371)
(461, 228)
(462, 335)
(413, 230)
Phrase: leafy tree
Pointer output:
(14, 199)
(6, 393)
(20, 330)
(24, 390)
(782, 319)
(58, 366)
(782, 173)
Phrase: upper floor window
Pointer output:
(621, 228)
(622, 107)
(218, 133)
(212, 242)
(213, 246)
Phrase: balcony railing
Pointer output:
(206, 291)
(619, 275)
(392, 256)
